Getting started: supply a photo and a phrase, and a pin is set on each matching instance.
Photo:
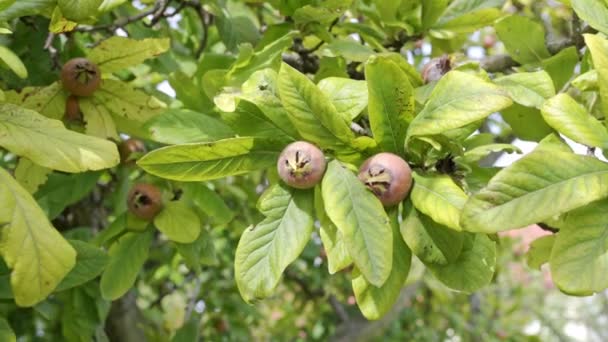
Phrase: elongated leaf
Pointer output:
(48, 143)
(361, 219)
(62, 190)
(561, 66)
(117, 53)
(127, 256)
(598, 47)
(457, 100)
(530, 89)
(30, 175)
(79, 10)
(123, 100)
(374, 302)
(473, 269)
(311, 112)
(178, 222)
(527, 123)
(27, 7)
(593, 12)
(98, 120)
(209, 201)
(523, 38)
(13, 62)
(248, 120)
(205, 161)
(265, 250)
(38, 255)
(348, 96)
(478, 153)
(571, 119)
(6, 333)
(438, 197)
(431, 242)
(180, 126)
(333, 241)
(580, 252)
(90, 262)
(547, 182)
(48, 101)
(391, 103)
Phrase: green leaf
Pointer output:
(349, 49)
(594, 12)
(23, 8)
(4, 4)
(580, 253)
(48, 101)
(178, 222)
(38, 255)
(523, 38)
(458, 100)
(209, 202)
(90, 262)
(127, 256)
(431, 242)
(266, 249)
(199, 252)
(540, 251)
(30, 175)
(571, 119)
(6, 332)
(108, 5)
(561, 66)
(466, 23)
(99, 122)
(13, 62)
(473, 269)
(48, 143)
(123, 100)
(117, 53)
(248, 120)
(598, 47)
(333, 241)
(431, 11)
(206, 161)
(410, 70)
(527, 123)
(438, 197)
(530, 89)
(79, 10)
(348, 96)
(180, 126)
(361, 219)
(478, 153)
(374, 302)
(525, 192)
(59, 23)
(391, 103)
(311, 112)
(61, 190)
(82, 312)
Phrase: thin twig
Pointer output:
(193, 297)
(122, 21)
(48, 45)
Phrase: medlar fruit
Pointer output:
(72, 109)
(130, 146)
(80, 77)
(435, 68)
(301, 165)
(144, 201)
(388, 176)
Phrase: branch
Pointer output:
(124, 21)
(48, 45)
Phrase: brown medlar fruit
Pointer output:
(130, 146)
(301, 165)
(80, 77)
(144, 201)
(72, 109)
(388, 176)
(435, 68)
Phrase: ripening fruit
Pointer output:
(436, 68)
(301, 165)
(130, 146)
(72, 109)
(388, 176)
(144, 201)
(80, 77)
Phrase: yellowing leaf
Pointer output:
(98, 120)
(13, 62)
(123, 100)
(117, 53)
(38, 255)
(48, 143)
(30, 175)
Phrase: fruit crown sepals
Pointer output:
(85, 73)
(141, 200)
(378, 179)
(299, 164)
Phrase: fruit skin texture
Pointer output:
(144, 201)
(301, 165)
(128, 147)
(388, 176)
(436, 68)
(72, 109)
(80, 77)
